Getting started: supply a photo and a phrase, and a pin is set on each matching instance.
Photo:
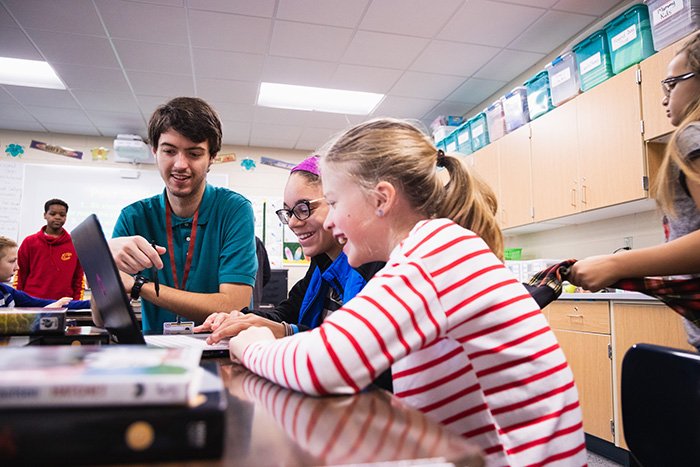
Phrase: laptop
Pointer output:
(110, 296)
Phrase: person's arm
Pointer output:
(133, 254)
(23, 299)
(356, 343)
(679, 256)
(78, 282)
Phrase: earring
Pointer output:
(380, 212)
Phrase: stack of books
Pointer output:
(108, 404)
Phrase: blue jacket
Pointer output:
(10, 297)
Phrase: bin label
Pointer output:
(463, 137)
(451, 146)
(666, 10)
(590, 63)
(625, 37)
(560, 77)
(477, 131)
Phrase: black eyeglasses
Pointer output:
(302, 211)
(669, 83)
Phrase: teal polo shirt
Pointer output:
(224, 251)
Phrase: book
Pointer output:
(32, 321)
(110, 435)
(53, 376)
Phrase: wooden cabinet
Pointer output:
(583, 331)
(653, 70)
(515, 201)
(594, 336)
(486, 164)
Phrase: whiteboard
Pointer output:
(100, 190)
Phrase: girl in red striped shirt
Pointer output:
(466, 343)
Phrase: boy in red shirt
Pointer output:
(48, 263)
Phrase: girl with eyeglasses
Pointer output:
(676, 190)
(466, 343)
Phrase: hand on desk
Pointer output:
(60, 303)
(251, 335)
(134, 254)
(223, 325)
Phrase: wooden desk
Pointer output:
(269, 425)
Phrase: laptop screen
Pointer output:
(104, 281)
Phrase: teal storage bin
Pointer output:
(464, 138)
(539, 99)
(451, 143)
(593, 60)
(629, 38)
(479, 131)
(441, 145)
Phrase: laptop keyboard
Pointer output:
(185, 340)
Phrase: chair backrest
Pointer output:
(661, 405)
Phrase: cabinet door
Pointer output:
(656, 123)
(632, 324)
(554, 155)
(516, 183)
(587, 354)
(485, 164)
(611, 162)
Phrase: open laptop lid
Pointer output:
(103, 277)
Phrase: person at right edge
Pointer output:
(676, 190)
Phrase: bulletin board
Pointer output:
(100, 190)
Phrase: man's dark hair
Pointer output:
(51, 202)
(192, 117)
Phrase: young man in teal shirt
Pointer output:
(200, 238)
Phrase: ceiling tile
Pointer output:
(364, 78)
(589, 7)
(309, 41)
(73, 48)
(15, 112)
(422, 18)
(55, 115)
(43, 97)
(475, 90)
(446, 108)
(297, 71)
(403, 107)
(227, 65)
(263, 8)
(384, 50)
(329, 12)
(536, 3)
(238, 131)
(111, 101)
(92, 78)
(125, 121)
(6, 20)
(261, 132)
(152, 23)
(229, 32)
(147, 56)
(307, 118)
(314, 138)
(14, 44)
(453, 58)
(5, 97)
(19, 125)
(161, 84)
(234, 112)
(72, 129)
(505, 23)
(221, 90)
(148, 104)
(555, 27)
(425, 85)
(272, 142)
(166, 2)
(72, 16)
(508, 64)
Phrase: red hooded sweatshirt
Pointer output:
(49, 267)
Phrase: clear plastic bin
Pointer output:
(464, 139)
(672, 20)
(443, 132)
(495, 120)
(451, 143)
(563, 78)
(515, 108)
(479, 131)
(539, 101)
(593, 60)
(629, 38)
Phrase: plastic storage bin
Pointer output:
(672, 20)
(515, 108)
(451, 142)
(479, 131)
(539, 101)
(563, 78)
(629, 38)
(593, 60)
(464, 139)
(495, 120)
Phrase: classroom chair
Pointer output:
(661, 405)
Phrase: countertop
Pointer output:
(617, 296)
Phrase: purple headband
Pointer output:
(310, 164)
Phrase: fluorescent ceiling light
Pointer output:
(287, 96)
(34, 73)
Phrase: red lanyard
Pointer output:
(171, 251)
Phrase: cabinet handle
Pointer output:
(583, 194)
(573, 197)
(575, 316)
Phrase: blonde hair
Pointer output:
(665, 186)
(400, 153)
(6, 243)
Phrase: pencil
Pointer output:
(156, 282)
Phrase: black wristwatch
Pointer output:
(139, 280)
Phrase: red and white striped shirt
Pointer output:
(466, 343)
